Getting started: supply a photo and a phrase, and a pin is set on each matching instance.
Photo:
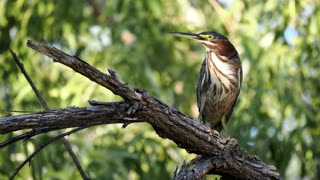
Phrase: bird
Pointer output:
(220, 78)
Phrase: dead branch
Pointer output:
(69, 117)
(46, 107)
(225, 155)
(59, 136)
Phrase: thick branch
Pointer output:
(69, 117)
(167, 122)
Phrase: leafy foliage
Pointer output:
(276, 116)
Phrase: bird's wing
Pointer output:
(234, 103)
(231, 110)
(202, 87)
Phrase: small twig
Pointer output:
(73, 156)
(26, 135)
(19, 111)
(43, 146)
(46, 107)
(24, 72)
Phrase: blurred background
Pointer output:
(277, 115)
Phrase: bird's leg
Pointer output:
(207, 124)
(211, 131)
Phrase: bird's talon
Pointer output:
(208, 130)
(215, 132)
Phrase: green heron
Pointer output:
(220, 78)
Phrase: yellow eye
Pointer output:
(210, 37)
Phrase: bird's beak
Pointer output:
(195, 37)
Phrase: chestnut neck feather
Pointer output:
(223, 48)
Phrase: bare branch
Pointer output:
(80, 66)
(46, 107)
(69, 117)
(228, 158)
(43, 146)
(202, 165)
(26, 136)
(34, 88)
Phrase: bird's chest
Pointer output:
(224, 85)
(223, 89)
(221, 94)
(220, 82)
(220, 103)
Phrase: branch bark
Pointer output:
(220, 156)
(69, 117)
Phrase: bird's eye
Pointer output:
(210, 37)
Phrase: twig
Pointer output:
(26, 135)
(34, 88)
(43, 146)
(46, 107)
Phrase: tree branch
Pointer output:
(226, 157)
(69, 117)
(80, 66)
(59, 136)
(46, 107)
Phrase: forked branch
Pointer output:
(219, 155)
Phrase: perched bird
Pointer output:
(220, 78)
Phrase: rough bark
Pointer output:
(218, 155)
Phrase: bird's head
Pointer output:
(212, 41)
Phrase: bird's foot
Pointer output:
(212, 131)
(215, 132)
(208, 130)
